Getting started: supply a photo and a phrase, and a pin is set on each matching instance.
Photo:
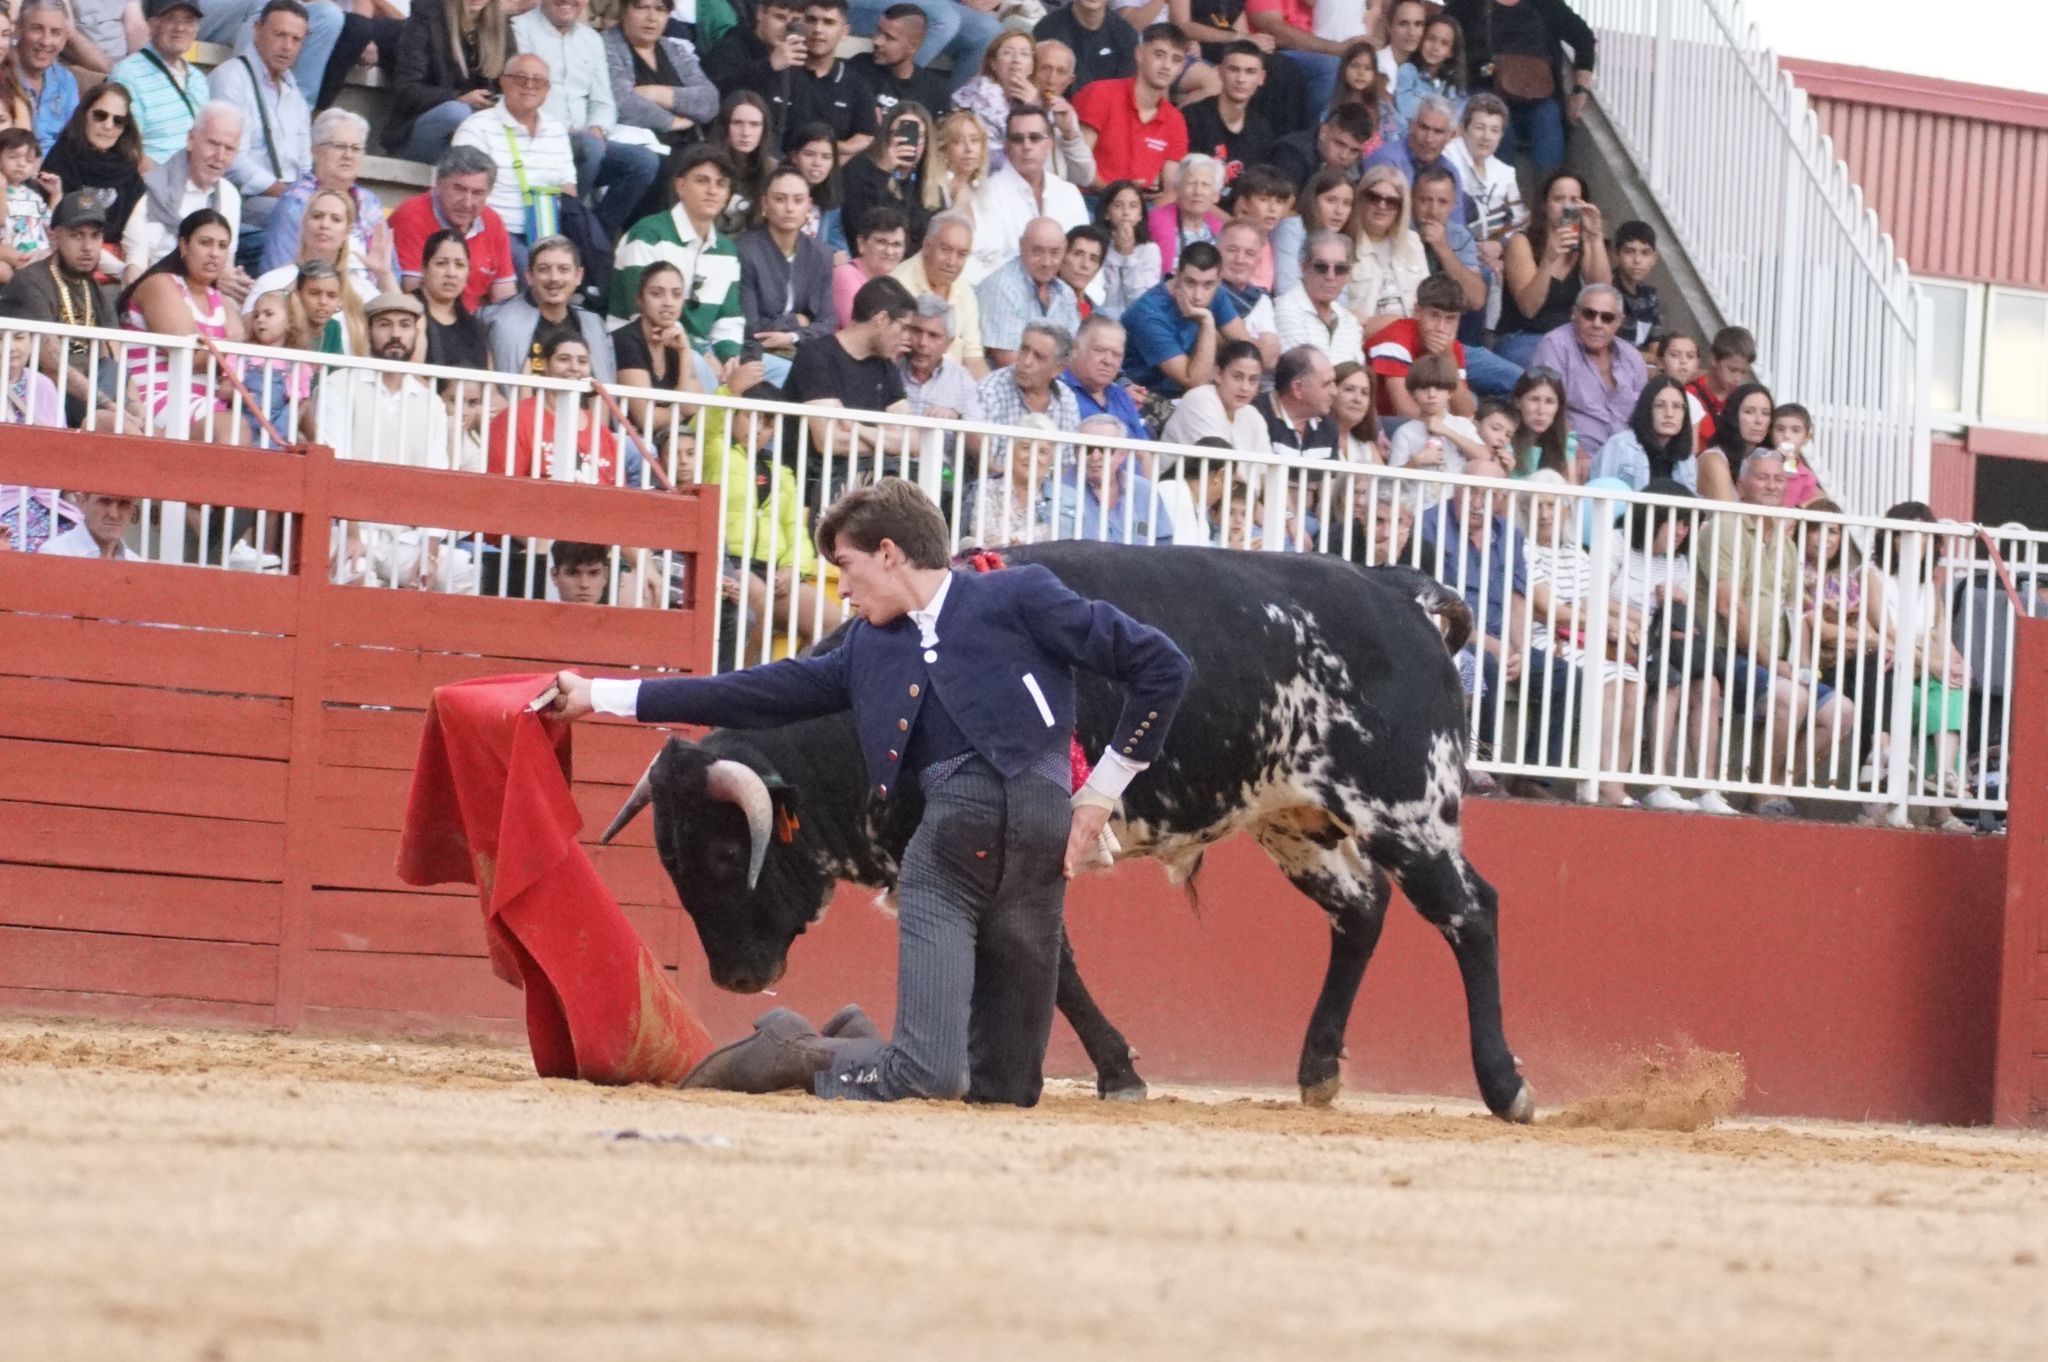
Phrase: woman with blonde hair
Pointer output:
(900, 169)
(449, 56)
(1004, 84)
(963, 160)
(326, 236)
(1390, 262)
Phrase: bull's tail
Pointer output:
(1446, 607)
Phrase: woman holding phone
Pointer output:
(1562, 252)
(899, 170)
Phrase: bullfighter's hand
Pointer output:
(1089, 821)
(574, 701)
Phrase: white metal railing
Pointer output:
(1778, 231)
(1691, 691)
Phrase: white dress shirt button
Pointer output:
(930, 655)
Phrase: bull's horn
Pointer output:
(636, 801)
(740, 784)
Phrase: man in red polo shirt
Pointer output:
(1433, 330)
(1135, 131)
(457, 202)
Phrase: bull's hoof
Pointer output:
(1522, 1110)
(1132, 1091)
(1321, 1094)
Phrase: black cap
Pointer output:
(82, 208)
(153, 9)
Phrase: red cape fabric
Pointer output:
(490, 806)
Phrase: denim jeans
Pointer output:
(1320, 70)
(622, 172)
(1489, 374)
(1535, 134)
(432, 131)
(1517, 347)
(950, 28)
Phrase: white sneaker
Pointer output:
(1669, 801)
(1711, 802)
(243, 557)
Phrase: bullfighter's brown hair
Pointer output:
(892, 509)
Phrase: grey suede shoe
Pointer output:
(783, 1053)
(850, 1023)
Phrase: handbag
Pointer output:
(1662, 658)
(543, 206)
(1517, 75)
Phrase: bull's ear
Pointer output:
(786, 801)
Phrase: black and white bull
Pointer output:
(1325, 719)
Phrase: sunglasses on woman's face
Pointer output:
(110, 118)
(1384, 200)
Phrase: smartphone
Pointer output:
(1572, 215)
(797, 28)
(910, 133)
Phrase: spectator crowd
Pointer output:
(1336, 232)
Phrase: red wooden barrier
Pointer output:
(201, 772)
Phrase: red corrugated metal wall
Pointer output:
(1958, 173)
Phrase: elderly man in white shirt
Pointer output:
(386, 416)
(277, 122)
(614, 168)
(1024, 190)
(1312, 312)
(530, 146)
(186, 182)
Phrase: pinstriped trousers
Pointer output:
(979, 904)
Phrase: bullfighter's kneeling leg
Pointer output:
(951, 872)
(1017, 952)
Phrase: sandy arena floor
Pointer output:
(205, 1195)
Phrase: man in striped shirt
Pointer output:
(714, 316)
(168, 90)
(531, 148)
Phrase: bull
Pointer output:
(1325, 719)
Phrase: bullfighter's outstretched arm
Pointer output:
(767, 696)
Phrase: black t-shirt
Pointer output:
(922, 86)
(839, 99)
(545, 331)
(631, 351)
(1298, 155)
(823, 368)
(1221, 15)
(1106, 53)
(463, 344)
(866, 185)
(1209, 135)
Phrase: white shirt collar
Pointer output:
(927, 619)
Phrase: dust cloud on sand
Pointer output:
(1666, 1087)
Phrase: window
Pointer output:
(2016, 358)
(1955, 343)
(1990, 355)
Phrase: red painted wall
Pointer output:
(1855, 970)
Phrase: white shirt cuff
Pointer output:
(616, 697)
(1113, 773)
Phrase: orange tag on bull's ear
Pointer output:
(786, 825)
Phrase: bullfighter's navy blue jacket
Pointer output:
(1008, 644)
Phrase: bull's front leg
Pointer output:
(1116, 1077)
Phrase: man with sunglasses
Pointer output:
(1023, 191)
(1601, 379)
(1309, 313)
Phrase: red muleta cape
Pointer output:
(490, 806)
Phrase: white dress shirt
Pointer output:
(1005, 206)
(277, 105)
(581, 96)
(77, 542)
(145, 241)
(1112, 773)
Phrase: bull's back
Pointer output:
(1277, 640)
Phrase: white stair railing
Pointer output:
(1777, 231)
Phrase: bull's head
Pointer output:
(727, 835)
